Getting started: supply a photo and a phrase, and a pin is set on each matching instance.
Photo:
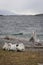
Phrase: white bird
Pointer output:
(12, 47)
(35, 37)
(6, 47)
(20, 47)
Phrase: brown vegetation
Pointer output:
(20, 58)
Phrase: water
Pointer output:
(21, 26)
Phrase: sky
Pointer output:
(22, 7)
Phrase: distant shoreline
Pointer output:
(24, 15)
(1, 15)
(39, 15)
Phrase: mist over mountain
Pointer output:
(5, 12)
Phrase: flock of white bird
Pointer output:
(14, 47)
(18, 47)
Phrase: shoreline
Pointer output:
(25, 41)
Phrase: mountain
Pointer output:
(39, 15)
(5, 12)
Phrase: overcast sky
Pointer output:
(22, 6)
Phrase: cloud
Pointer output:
(22, 6)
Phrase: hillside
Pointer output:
(39, 15)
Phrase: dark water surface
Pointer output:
(21, 26)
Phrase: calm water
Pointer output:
(21, 24)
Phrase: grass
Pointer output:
(20, 58)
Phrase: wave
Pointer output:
(12, 34)
(18, 34)
(21, 34)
